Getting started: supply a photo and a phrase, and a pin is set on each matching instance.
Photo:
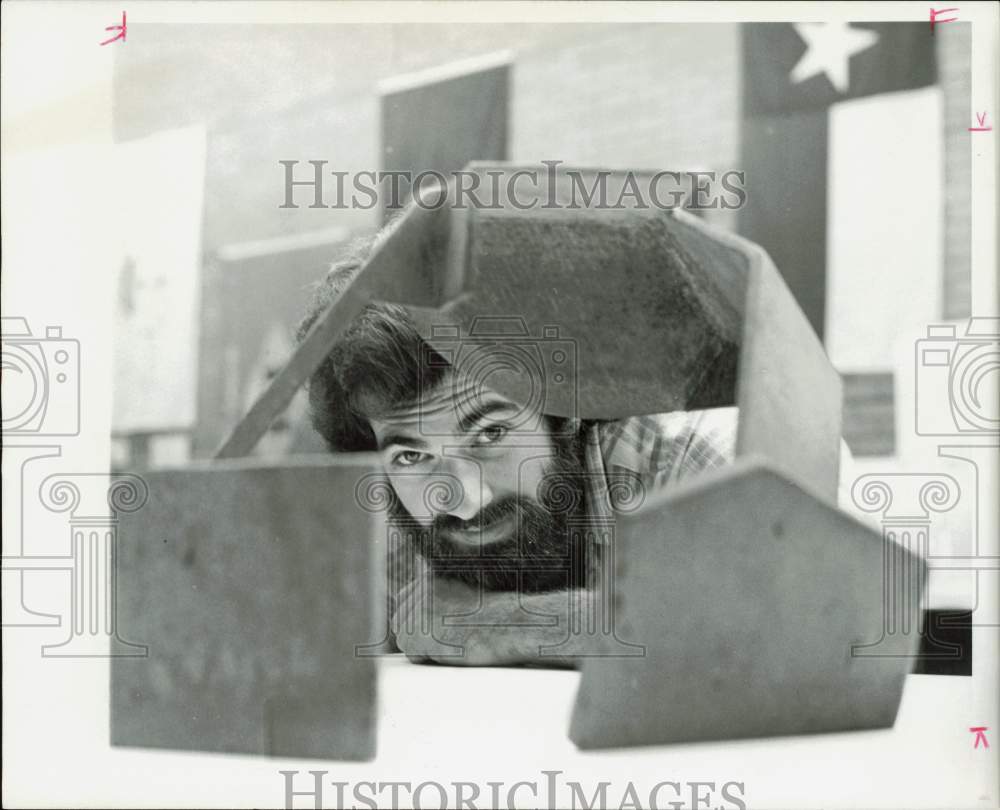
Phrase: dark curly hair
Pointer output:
(374, 366)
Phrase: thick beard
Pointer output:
(548, 551)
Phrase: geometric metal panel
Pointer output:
(758, 605)
(251, 585)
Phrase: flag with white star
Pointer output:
(842, 133)
(802, 66)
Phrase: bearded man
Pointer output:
(505, 515)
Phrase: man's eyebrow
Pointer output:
(483, 409)
(402, 439)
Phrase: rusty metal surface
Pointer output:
(751, 597)
(251, 586)
(650, 308)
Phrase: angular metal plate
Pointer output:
(763, 611)
(251, 585)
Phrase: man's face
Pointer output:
(478, 487)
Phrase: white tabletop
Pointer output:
(477, 725)
(481, 724)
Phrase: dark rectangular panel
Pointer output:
(945, 643)
(870, 414)
(250, 310)
(442, 126)
(785, 160)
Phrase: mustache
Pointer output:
(485, 519)
(541, 552)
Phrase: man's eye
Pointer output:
(492, 434)
(407, 458)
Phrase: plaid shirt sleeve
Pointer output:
(638, 455)
(670, 446)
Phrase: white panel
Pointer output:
(885, 224)
(162, 182)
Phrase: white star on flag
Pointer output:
(830, 47)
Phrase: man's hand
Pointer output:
(446, 621)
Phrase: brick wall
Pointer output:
(647, 96)
(954, 51)
(622, 96)
(650, 96)
(644, 96)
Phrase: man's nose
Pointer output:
(473, 492)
